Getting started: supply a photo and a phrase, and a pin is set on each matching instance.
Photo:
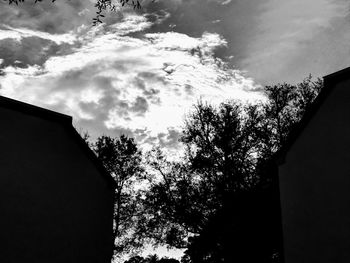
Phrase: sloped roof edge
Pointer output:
(329, 82)
(34, 110)
(66, 121)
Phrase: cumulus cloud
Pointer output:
(113, 81)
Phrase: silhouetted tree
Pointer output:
(151, 259)
(221, 201)
(285, 108)
(168, 260)
(122, 160)
(247, 228)
(109, 5)
(221, 146)
(173, 204)
(135, 259)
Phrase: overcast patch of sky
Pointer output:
(295, 38)
(57, 18)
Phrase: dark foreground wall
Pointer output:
(315, 185)
(55, 206)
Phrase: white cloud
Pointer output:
(119, 83)
(130, 24)
(84, 12)
(222, 2)
(20, 33)
(177, 41)
(226, 2)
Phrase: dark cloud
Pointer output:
(152, 77)
(126, 109)
(167, 140)
(144, 81)
(30, 51)
(189, 89)
(58, 17)
(140, 106)
(172, 138)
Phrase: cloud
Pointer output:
(20, 33)
(289, 32)
(272, 41)
(226, 2)
(222, 2)
(130, 24)
(54, 18)
(170, 139)
(113, 81)
(29, 51)
(237, 22)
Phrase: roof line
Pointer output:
(100, 167)
(34, 110)
(66, 121)
(329, 82)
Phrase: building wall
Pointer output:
(54, 204)
(315, 186)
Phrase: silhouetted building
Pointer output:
(314, 179)
(56, 200)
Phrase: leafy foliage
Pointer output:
(247, 227)
(150, 259)
(170, 211)
(222, 144)
(285, 108)
(228, 153)
(220, 201)
(220, 148)
(123, 161)
(109, 5)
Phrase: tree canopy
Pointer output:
(220, 200)
(123, 160)
(227, 161)
(151, 259)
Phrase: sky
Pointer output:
(140, 72)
